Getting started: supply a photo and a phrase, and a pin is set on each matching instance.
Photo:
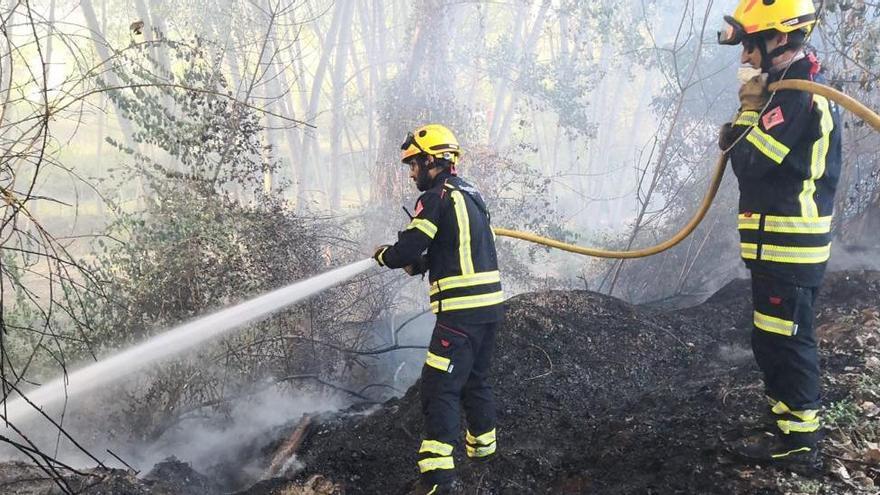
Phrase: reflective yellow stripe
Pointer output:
(424, 225)
(786, 454)
(817, 159)
(433, 490)
(484, 439)
(433, 463)
(767, 145)
(798, 225)
(468, 302)
(435, 447)
(794, 254)
(748, 251)
(749, 222)
(779, 407)
(806, 415)
(439, 362)
(483, 451)
(747, 118)
(381, 257)
(774, 325)
(785, 225)
(471, 280)
(798, 426)
(464, 233)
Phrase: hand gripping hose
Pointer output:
(841, 99)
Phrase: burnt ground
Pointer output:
(599, 396)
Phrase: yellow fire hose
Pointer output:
(841, 99)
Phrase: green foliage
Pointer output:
(565, 83)
(869, 385)
(842, 414)
(209, 235)
(803, 486)
(188, 125)
(190, 254)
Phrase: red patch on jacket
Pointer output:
(815, 66)
(419, 207)
(773, 118)
(776, 301)
(444, 342)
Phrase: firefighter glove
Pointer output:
(379, 251)
(417, 268)
(753, 94)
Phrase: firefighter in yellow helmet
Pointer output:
(450, 237)
(786, 153)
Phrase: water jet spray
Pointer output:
(175, 341)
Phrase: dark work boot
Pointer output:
(798, 452)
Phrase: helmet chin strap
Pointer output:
(767, 57)
(423, 178)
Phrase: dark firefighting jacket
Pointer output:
(788, 164)
(451, 222)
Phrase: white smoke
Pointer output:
(211, 439)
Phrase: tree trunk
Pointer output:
(343, 44)
(310, 148)
(503, 134)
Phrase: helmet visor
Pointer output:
(731, 32)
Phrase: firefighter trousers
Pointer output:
(455, 373)
(784, 342)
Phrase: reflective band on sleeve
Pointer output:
(464, 233)
(484, 439)
(817, 158)
(747, 118)
(381, 257)
(426, 226)
(483, 451)
(435, 447)
(797, 225)
(434, 463)
(774, 325)
(468, 302)
(439, 362)
(748, 251)
(748, 222)
(765, 143)
(471, 280)
(795, 254)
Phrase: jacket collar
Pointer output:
(440, 178)
(795, 65)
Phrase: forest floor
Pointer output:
(595, 396)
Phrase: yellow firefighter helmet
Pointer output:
(431, 139)
(755, 16)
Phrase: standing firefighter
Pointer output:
(785, 152)
(451, 223)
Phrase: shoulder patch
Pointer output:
(419, 208)
(773, 118)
